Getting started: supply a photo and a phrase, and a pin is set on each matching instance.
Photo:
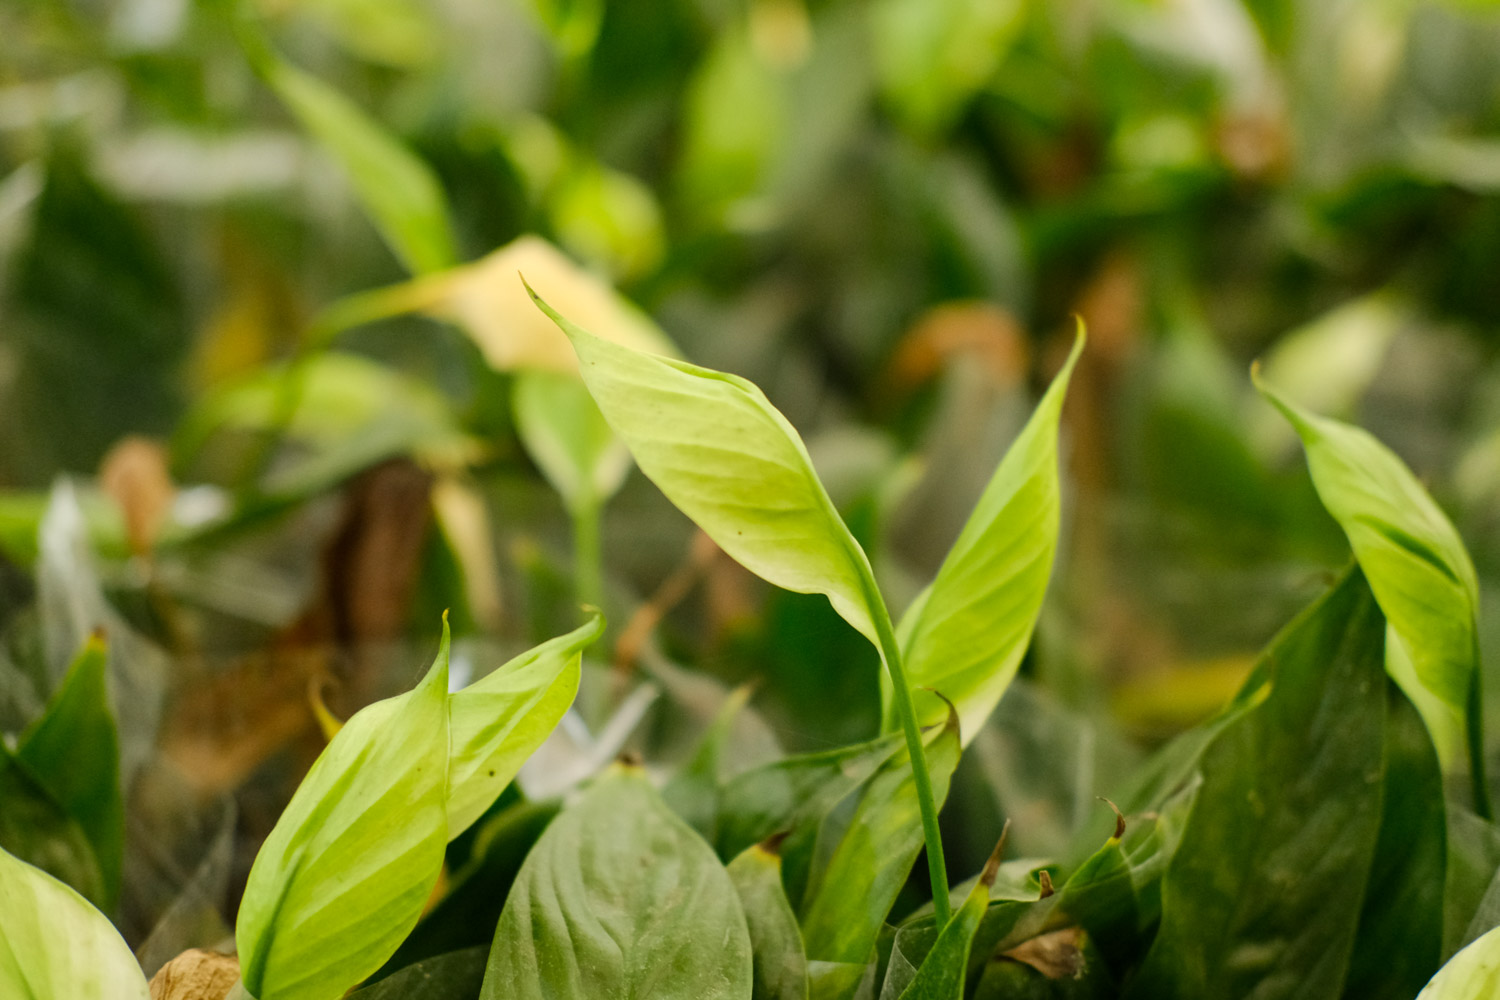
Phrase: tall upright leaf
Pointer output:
(621, 899)
(53, 944)
(73, 752)
(728, 459)
(1416, 564)
(344, 875)
(499, 720)
(966, 633)
(1265, 891)
(399, 191)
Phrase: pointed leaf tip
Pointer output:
(1119, 818)
(992, 866)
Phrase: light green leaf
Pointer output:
(849, 898)
(499, 721)
(965, 634)
(1415, 562)
(53, 944)
(567, 437)
(1472, 974)
(399, 191)
(728, 459)
(621, 899)
(943, 971)
(780, 961)
(345, 874)
(73, 752)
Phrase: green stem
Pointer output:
(890, 651)
(588, 572)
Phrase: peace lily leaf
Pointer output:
(1415, 562)
(944, 968)
(1100, 897)
(693, 793)
(443, 977)
(849, 899)
(1258, 897)
(565, 434)
(1472, 974)
(499, 720)
(73, 752)
(398, 190)
(1473, 859)
(620, 898)
(39, 831)
(780, 962)
(53, 944)
(966, 634)
(728, 459)
(345, 874)
(793, 796)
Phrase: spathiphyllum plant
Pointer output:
(1325, 834)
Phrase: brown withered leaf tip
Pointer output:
(1045, 878)
(1119, 818)
(992, 866)
(772, 844)
(629, 758)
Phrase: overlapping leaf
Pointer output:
(780, 959)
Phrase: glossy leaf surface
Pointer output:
(621, 899)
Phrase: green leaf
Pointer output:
(1264, 894)
(53, 944)
(455, 975)
(849, 898)
(1415, 562)
(73, 752)
(39, 831)
(943, 970)
(1472, 974)
(567, 437)
(620, 898)
(1473, 859)
(345, 874)
(965, 635)
(780, 960)
(399, 191)
(693, 793)
(729, 460)
(499, 720)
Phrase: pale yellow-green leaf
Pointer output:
(54, 945)
(732, 462)
(965, 635)
(1413, 557)
(568, 438)
(345, 874)
(1472, 974)
(499, 720)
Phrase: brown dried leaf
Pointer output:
(1058, 955)
(134, 474)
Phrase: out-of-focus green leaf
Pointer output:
(965, 635)
(39, 831)
(1416, 564)
(1472, 974)
(849, 897)
(693, 792)
(776, 941)
(1473, 859)
(620, 898)
(934, 55)
(398, 190)
(1400, 934)
(1258, 897)
(565, 434)
(73, 752)
(610, 219)
(53, 944)
(728, 459)
(345, 874)
(499, 720)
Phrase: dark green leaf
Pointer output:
(621, 899)
(455, 975)
(39, 831)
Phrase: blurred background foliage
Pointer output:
(884, 213)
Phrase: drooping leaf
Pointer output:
(53, 944)
(499, 720)
(1264, 893)
(345, 874)
(1470, 975)
(399, 191)
(72, 751)
(849, 898)
(965, 635)
(620, 898)
(776, 941)
(1414, 560)
(728, 459)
